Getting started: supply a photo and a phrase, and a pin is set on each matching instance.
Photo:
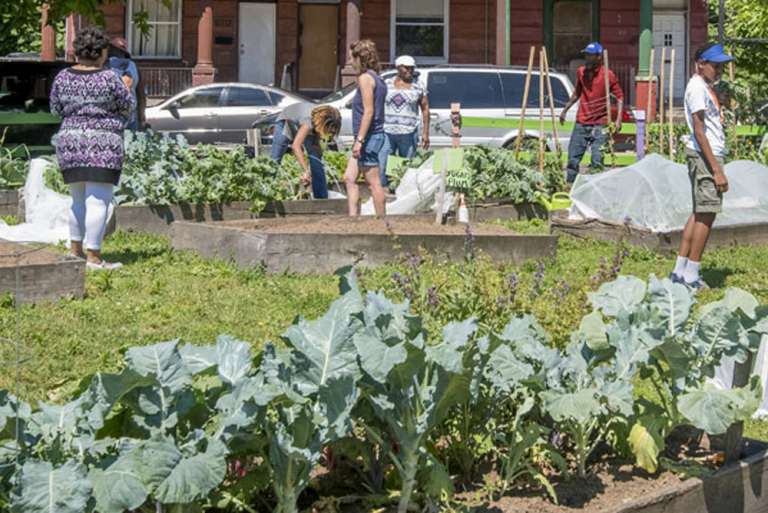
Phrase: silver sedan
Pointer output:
(218, 113)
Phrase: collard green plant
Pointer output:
(166, 432)
(495, 173)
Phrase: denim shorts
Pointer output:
(374, 150)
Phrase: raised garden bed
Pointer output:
(662, 242)
(305, 208)
(158, 219)
(34, 274)
(505, 209)
(11, 203)
(323, 244)
(614, 487)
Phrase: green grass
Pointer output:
(162, 295)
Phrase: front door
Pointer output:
(669, 31)
(318, 46)
(257, 24)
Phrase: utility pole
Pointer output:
(721, 23)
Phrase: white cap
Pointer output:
(405, 60)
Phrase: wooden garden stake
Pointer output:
(541, 110)
(521, 131)
(671, 106)
(651, 84)
(607, 80)
(552, 103)
(662, 83)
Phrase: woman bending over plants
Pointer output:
(307, 128)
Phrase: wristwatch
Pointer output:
(358, 140)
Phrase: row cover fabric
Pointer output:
(655, 194)
(416, 193)
(46, 212)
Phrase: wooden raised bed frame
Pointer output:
(318, 251)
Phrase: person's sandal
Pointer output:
(103, 266)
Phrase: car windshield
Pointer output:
(338, 95)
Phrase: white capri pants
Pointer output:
(88, 215)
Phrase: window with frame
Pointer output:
(420, 29)
(154, 28)
(571, 25)
(247, 97)
(514, 90)
(201, 98)
(472, 89)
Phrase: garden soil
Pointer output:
(12, 254)
(399, 225)
(611, 487)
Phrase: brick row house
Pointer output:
(302, 44)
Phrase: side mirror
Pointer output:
(173, 108)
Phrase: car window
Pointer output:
(247, 97)
(473, 90)
(208, 97)
(276, 97)
(514, 88)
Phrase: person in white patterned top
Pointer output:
(405, 97)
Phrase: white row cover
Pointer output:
(655, 193)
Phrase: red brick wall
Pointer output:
(619, 30)
(698, 24)
(375, 24)
(472, 35)
(287, 35)
(526, 29)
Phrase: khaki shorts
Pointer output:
(706, 198)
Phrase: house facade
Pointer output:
(302, 44)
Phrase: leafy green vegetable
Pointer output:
(494, 173)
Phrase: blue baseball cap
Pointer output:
(593, 48)
(715, 53)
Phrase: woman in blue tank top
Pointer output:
(370, 149)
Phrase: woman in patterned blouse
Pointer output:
(94, 105)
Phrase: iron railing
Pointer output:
(165, 82)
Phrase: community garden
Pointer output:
(576, 379)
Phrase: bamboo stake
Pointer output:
(662, 83)
(521, 130)
(651, 84)
(607, 80)
(541, 111)
(731, 72)
(552, 103)
(671, 106)
(649, 94)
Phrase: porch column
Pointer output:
(503, 49)
(645, 80)
(47, 37)
(204, 72)
(348, 74)
(69, 39)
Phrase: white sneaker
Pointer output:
(103, 266)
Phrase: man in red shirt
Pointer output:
(592, 118)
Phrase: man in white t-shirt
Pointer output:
(706, 153)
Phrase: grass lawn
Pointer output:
(161, 295)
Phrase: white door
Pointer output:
(257, 25)
(669, 30)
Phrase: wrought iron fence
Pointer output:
(165, 82)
